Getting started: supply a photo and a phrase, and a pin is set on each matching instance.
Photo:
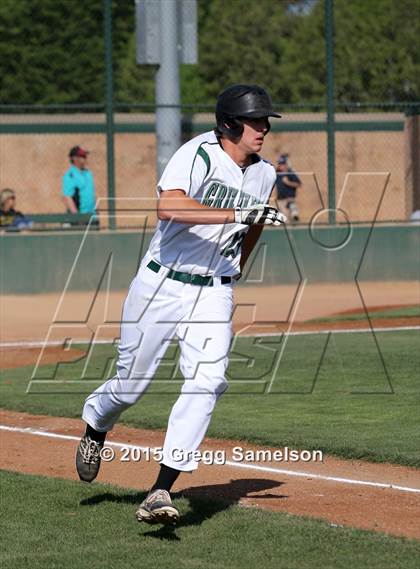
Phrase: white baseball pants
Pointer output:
(156, 310)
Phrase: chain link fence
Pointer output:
(377, 145)
(376, 158)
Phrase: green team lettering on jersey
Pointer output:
(221, 196)
(234, 244)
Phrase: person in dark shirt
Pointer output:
(287, 183)
(10, 218)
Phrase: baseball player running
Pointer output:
(212, 205)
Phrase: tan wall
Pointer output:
(33, 165)
(364, 162)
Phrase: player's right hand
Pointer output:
(259, 214)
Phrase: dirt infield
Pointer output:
(289, 487)
(268, 308)
(17, 357)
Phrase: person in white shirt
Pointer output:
(212, 205)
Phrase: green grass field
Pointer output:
(401, 312)
(326, 393)
(56, 524)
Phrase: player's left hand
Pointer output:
(259, 214)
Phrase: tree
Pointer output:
(376, 52)
(53, 52)
(244, 42)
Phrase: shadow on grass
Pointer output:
(204, 501)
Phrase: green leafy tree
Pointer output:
(244, 42)
(376, 52)
(53, 52)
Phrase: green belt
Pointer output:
(187, 277)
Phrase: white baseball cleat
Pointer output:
(157, 508)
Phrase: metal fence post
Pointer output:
(414, 119)
(329, 40)
(168, 114)
(109, 108)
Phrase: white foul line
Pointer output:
(39, 344)
(323, 477)
(31, 431)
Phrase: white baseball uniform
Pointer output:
(160, 305)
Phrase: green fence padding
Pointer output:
(46, 262)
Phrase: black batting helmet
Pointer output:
(242, 101)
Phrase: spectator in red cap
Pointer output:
(78, 185)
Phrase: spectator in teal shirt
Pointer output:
(78, 185)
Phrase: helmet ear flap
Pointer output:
(230, 126)
(236, 127)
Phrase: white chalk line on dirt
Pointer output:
(30, 344)
(307, 475)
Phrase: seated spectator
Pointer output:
(10, 218)
(78, 186)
